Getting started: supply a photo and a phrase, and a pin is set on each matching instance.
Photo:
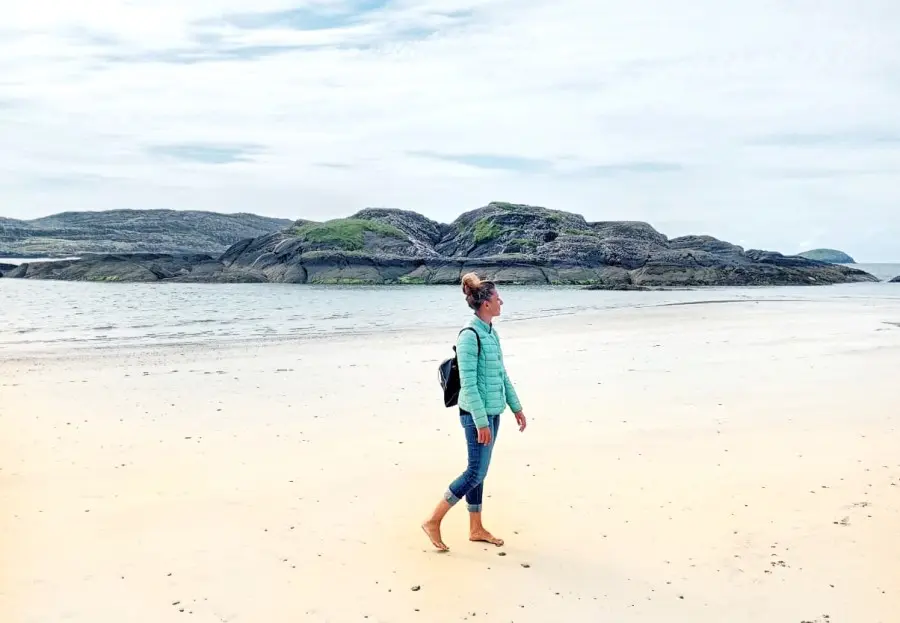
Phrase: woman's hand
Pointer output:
(484, 435)
(520, 419)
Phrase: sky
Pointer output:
(772, 125)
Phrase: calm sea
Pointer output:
(42, 314)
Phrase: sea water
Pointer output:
(37, 314)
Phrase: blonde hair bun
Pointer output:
(476, 290)
(470, 284)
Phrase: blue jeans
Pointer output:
(470, 484)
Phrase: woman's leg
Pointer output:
(477, 531)
(475, 494)
(432, 525)
(478, 456)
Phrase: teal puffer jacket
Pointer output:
(485, 388)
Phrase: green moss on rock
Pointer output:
(345, 233)
(518, 245)
(486, 230)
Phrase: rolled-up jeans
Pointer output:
(470, 484)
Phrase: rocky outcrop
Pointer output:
(508, 243)
(831, 256)
(895, 279)
(5, 268)
(135, 267)
(131, 231)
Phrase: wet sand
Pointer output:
(702, 463)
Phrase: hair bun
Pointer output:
(470, 284)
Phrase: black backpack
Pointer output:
(448, 373)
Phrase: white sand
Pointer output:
(684, 463)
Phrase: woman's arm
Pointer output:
(467, 357)
(512, 398)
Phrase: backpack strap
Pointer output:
(477, 337)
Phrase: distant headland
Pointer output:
(831, 256)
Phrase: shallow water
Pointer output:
(42, 314)
(885, 272)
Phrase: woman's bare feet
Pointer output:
(478, 533)
(433, 530)
(483, 535)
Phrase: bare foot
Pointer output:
(485, 536)
(433, 530)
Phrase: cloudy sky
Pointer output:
(771, 124)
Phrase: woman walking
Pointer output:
(485, 392)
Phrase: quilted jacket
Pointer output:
(485, 388)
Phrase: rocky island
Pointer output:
(130, 231)
(509, 243)
(831, 256)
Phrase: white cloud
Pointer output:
(772, 123)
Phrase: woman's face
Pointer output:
(492, 305)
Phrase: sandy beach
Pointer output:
(689, 463)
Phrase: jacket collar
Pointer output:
(481, 324)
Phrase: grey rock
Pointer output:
(130, 231)
(624, 286)
(895, 279)
(134, 267)
(509, 243)
(423, 233)
(501, 228)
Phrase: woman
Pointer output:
(485, 392)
